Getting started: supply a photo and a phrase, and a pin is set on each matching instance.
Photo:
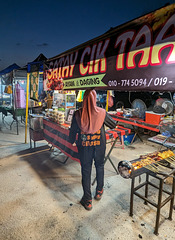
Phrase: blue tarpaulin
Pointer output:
(9, 69)
(37, 64)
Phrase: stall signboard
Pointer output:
(136, 56)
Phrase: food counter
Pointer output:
(58, 136)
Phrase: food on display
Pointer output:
(166, 154)
(152, 158)
(55, 115)
(150, 161)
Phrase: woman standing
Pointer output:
(89, 122)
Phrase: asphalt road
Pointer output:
(39, 197)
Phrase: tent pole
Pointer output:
(107, 97)
(1, 90)
(27, 98)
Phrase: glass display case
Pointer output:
(64, 101)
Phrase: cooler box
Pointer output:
(153, 118)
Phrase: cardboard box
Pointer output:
(153, 118)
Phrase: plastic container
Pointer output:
(153, 118)
(128, 138)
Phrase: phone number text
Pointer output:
(162, 81)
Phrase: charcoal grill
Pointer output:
(160, 169)
(154, 163)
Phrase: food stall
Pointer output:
(56, 124)
(13, 80)
(136, 56)
(14, 92)
(5, 83)
(34, 84)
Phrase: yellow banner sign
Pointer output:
(84, 82)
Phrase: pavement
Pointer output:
(39, 196)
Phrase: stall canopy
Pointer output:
(20, 74)
(6, 74)
(37, 64)
(136, 56)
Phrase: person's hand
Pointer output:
(74, 144)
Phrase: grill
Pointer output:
(159, 165)
(159, 162)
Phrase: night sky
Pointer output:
(29, 28)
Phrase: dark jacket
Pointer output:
(88, 140)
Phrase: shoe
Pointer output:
(98, 194)
(87, 204)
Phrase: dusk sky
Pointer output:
(29, 28)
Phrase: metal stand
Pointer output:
(15, 120)
(136, 131)
(35, 136)
(160, 203)
(64, 161)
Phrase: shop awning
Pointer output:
(136, 56)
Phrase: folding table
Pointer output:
(15, 112)
(136, 122)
